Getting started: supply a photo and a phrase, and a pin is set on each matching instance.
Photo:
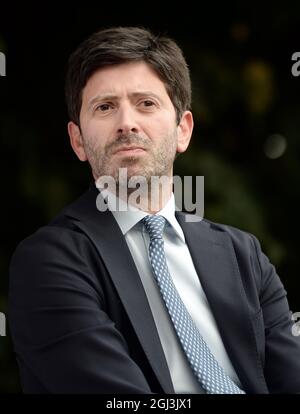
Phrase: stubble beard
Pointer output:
(158, 161)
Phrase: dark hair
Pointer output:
(118, 45)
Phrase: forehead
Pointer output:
(124, 78)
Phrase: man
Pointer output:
(141, 300)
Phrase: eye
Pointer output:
(103, 107)
(148, 103)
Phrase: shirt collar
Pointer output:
(128, 216)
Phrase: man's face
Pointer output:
(128, 121)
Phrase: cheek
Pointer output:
(163, 132)
(94, 135)
(157, 129)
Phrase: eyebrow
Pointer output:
(107, 96)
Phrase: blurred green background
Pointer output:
(246, 105)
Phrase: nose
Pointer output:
(127, 120)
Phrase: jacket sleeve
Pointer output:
(60, 330)
(282, 346)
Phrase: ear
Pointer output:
(76, 140)
(185, 129)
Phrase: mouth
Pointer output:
(131, 150)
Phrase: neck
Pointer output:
(150, 198)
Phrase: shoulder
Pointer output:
(58, 253)
(242, 246)
(219, 231)
(60, 236)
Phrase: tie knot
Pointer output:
(155, 226)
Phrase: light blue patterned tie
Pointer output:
(206, 368)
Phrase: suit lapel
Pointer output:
(108, 239)
(215, 262)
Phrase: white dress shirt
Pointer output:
(188, 285)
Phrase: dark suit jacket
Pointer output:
(81, 323)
